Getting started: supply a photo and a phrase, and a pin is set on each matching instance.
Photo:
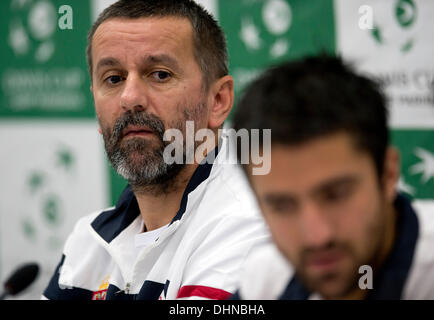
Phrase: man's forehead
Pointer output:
(329, 148)
(296, 189)
(316, 163)
(143, 27)
(165, 36)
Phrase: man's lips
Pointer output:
(131, 131)
(324, 260)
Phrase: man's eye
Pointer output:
(284, 207)
(280, 205)
(338, 194)
(113, 79)
(161, 76)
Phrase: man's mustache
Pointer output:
(141, 119)
(331, 247)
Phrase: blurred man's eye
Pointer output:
(280, 205)
(338, 193)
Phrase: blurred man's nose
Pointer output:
(133, 97)
(316, 227)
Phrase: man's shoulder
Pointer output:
(83, 225)
(265, 274)
(420, 284)
(232, 185)
(425, 213)
(230, 188)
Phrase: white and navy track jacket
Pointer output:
(407, 274)
(199, 255)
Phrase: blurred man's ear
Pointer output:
(222, 99)
(391, 173)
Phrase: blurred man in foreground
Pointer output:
(341, 229)
(181, 229)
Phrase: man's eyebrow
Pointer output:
(278, 197)
(343, 180)
(104, 62)
(162, 58)
(152, 59)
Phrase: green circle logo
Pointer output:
(405, 12)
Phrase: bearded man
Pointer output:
(179, 230)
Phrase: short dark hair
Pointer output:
(314, 97)
(209, 43)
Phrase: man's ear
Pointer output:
(391, 173)
(222, 100)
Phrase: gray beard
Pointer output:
(149, 169)
(140, 161)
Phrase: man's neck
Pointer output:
(382, 254)
(389, 236)
(158, 207)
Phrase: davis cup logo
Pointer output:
(405, 12)
(386, 33)
(31, 29)
(276, 18)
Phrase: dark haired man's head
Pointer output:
(328, 197)
(209, 42)
(303, 100)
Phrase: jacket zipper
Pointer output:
(127, 287)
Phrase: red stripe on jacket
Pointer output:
(204, 292)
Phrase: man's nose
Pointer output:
(316, 226)
(133, 97)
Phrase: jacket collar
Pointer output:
(109, 224)
(390, 280)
